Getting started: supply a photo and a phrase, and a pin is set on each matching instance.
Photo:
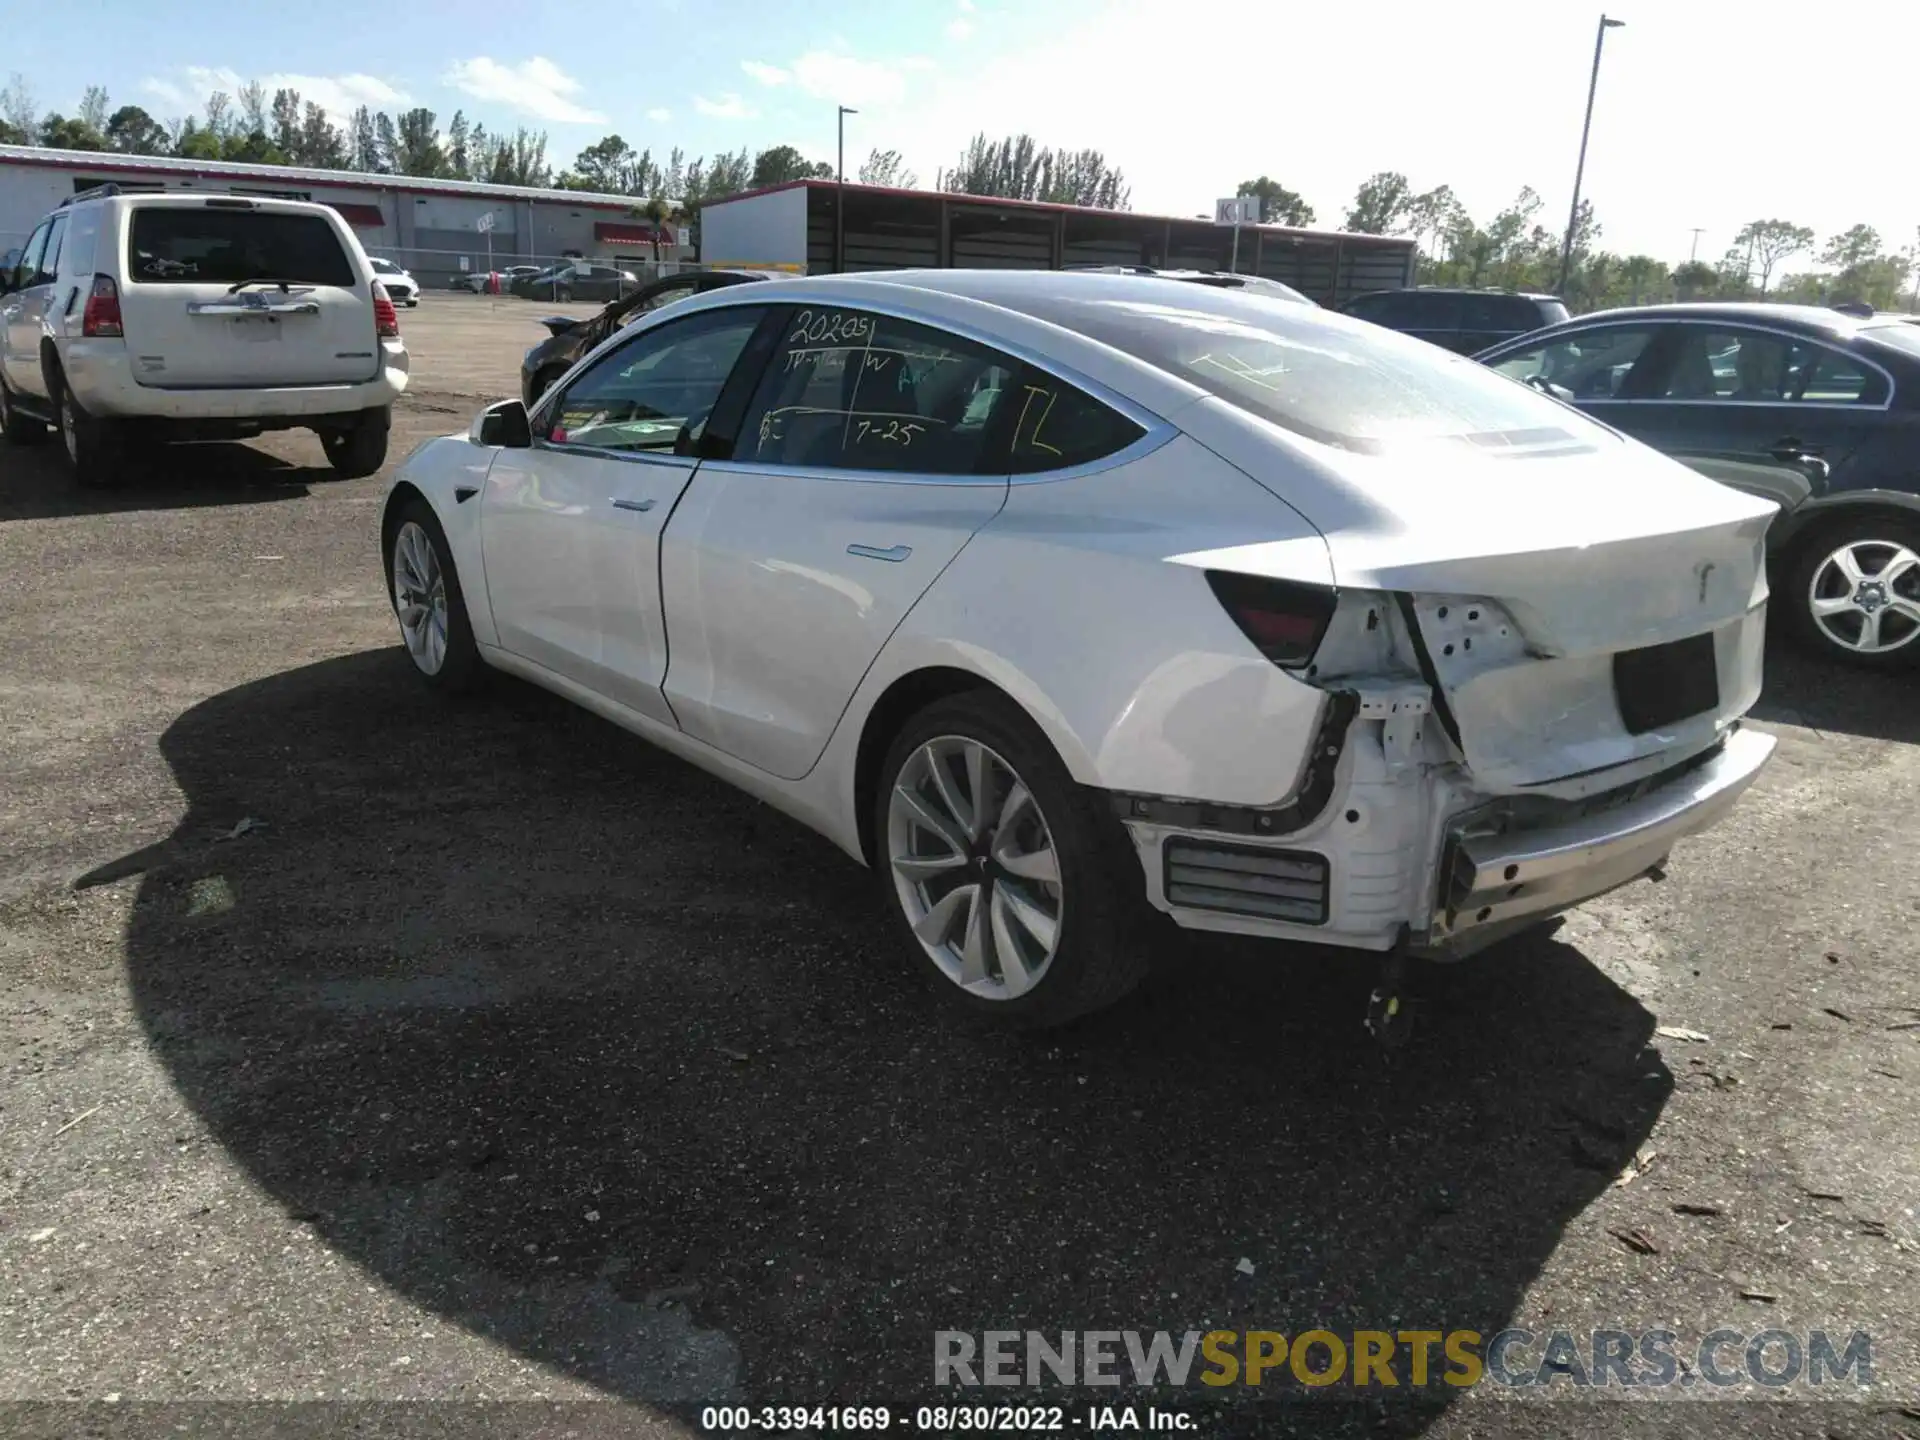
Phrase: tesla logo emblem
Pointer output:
(1704, 571)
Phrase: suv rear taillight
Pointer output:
(1283, 619)
(102, 315)
(386, 320)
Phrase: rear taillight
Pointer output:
(1284, 620)
(386, 320)
(102, 315)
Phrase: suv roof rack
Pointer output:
(98, 192)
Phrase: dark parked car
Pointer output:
(577, 282)
(569, 339)
(1805, 406)
(1464, 321)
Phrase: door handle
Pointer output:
(1788, 448)
(633, 504)
(895, 553)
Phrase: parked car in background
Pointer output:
(1111, 623)
(476, 280)
(400, 286)
(1815, 410)
(133, 319)
(1220, 279)
(576, 280)
(1464, 321)
(568, 339)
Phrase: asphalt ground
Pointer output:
(371, 1063)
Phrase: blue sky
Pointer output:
(1708, 115)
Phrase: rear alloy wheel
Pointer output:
(428, 602)
(360, 448)
(17, 427)
(1858, 592)
(1016, 888)
(94, 452)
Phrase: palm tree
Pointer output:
(657, 211)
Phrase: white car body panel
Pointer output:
(1083, 597)
(779, 618)
(572, 546)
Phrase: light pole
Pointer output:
(1580, 170)
(840, 196)
(1694, 253)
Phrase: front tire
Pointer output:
(424, 589)
(360, 448)
(1854, 591)
(1016, 890)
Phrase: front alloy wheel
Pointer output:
(1864, 597)
(974, 868)
(420, 598)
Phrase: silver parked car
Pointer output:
(1064, 599)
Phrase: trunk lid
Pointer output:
(1577, 606)
(235, 294)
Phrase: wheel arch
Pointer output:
(1819, 518)
(906, 696)
(403, 494)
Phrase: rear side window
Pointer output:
(1335, 380)
(1060, 426)
(50, 261)
(850, 390)
(196, 246)
(1510, 314)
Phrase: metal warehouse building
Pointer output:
(429, 226)
(797, 227)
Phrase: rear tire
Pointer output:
(360, 449)
(16, 427)
(95, 453)
(1853, 591)
(1047, 876)
(424, 589)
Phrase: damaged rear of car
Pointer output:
(1534, 640)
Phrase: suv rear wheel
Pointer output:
(93, 445)
(360, 447)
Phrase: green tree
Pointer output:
(416, 145)
(1695, 280)
(520, 159)
(782, 163)
(11, 136)
(59, 132)
(1278, 205)
(457, 152)
(1852, 247)
(1380, 205)
(886, 167)
(1017, 168)
(386, 143)
(93, 109)
(1771, 241)
(363, 142)
(606, 166)
(20, 109)
(321, 143)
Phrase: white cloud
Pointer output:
(961, 29)
(966, 7)
(830, 75)
(338, 95)
(727, 107)
(535, 87)
(764, 73)
(659, 115)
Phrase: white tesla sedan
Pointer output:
(1054, 597)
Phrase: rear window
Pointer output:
(1901, 336)
(1552, 312)
(193, 246)
(1338, 381)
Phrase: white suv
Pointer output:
(141, 318)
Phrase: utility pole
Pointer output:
(1580, 170)
(840, 197)
(1694, 253)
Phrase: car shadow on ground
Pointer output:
(593, 1055)
(35, 483)
(1829, 696)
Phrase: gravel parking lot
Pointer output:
(358, 1046)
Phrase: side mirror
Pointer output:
(6, 282)
(503, 425)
